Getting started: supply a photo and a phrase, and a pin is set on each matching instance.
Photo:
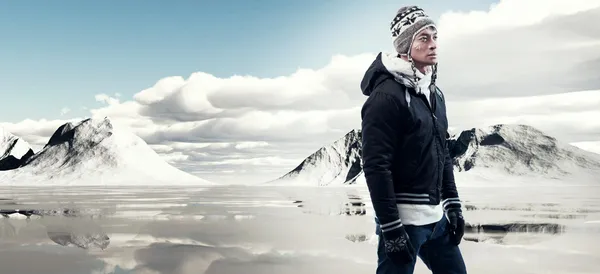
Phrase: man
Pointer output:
(406, 162)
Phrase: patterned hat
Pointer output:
(407, 23)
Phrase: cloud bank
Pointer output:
(519, 62)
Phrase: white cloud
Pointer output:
(173, 158)
(203, 96)
(256, 162)
(516, 56)
(247, 145)
(64, 111)
(592, 146)
(570, 117)
(107, 99)
(508, 14)
(495, 67)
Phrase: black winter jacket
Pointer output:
(404, 146)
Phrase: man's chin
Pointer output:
(428, 61)
(432, 60)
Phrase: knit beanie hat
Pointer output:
(407, 23)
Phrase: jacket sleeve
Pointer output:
(450, 198)
(380, 121)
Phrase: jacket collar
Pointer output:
(403, 73)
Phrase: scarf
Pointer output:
(404, 73)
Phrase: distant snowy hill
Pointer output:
(93, 152)
(499, 151)
(521, 150)
(14, 151)
(330, 165)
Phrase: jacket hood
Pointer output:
(390, 66)
(375, 74)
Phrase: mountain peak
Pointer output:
(519, 150)
(330, 165)
(93, 151)
(14, 151)
(511, 149)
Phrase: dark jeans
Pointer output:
(432, 245)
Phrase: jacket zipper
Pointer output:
(436, 138)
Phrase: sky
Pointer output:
(245, 90)
(69, 51)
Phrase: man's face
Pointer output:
(424, 47)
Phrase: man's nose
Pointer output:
(433, 45)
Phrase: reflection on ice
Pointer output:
(340, 202)
(517, 227)
(84, 240)
(512, 233)
(78, 232)
(280, 230)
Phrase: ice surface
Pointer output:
(244, 229)
(93, 152)
(532, 205)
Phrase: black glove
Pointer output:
(456, 224)
(398, 247)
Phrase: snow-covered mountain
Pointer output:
(330, 165)
(521, 150)
(500, 151)
(93, 152)
(14, 151)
